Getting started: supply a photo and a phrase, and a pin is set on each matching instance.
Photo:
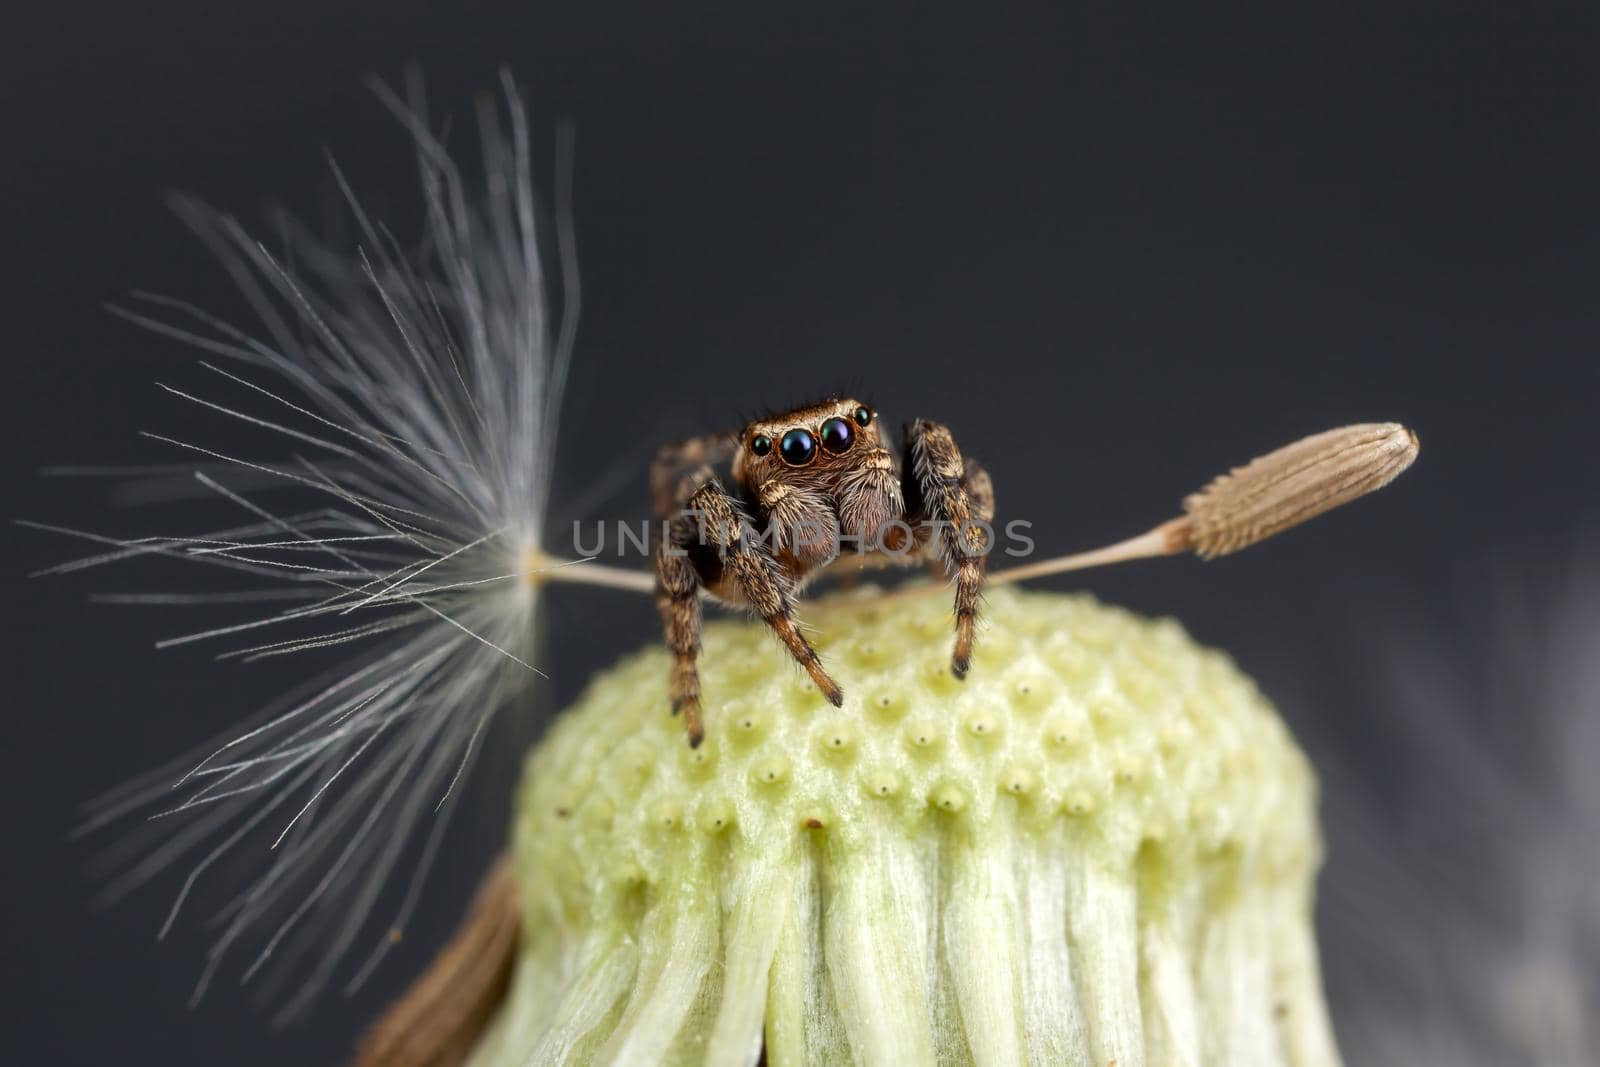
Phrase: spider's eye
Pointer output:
(837, 436)
(798, 447)
(761, 444)
(863, 416)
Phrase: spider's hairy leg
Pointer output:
(747, 560)
(678, 581)
(675, 458)
(958, 495)
(678, 600)
(980, 490)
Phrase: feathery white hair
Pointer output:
(416, 395)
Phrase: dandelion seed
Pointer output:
(405, 410)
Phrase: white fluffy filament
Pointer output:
(408, 400)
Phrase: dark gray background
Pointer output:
(1116, 251)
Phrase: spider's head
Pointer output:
(820, 468)
(810, 448)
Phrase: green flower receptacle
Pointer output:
(1099, 848)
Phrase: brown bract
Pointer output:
(444, 1012)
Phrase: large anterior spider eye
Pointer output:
(761, 444)
(837, 436)
(798, 447)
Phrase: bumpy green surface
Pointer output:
(1099, 846)
(1072, 709)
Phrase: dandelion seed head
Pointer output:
(382, 429)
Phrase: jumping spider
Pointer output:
(807, 483)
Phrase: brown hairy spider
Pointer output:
(810, 484)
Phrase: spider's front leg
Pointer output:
(673, 460)
(678, 583)
(712, 543)
(679, 576)
(957, 496)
